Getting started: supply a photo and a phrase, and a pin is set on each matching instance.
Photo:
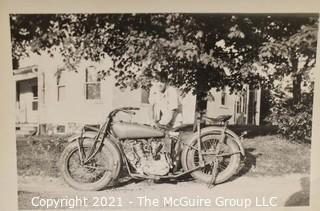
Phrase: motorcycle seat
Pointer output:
(221, 119)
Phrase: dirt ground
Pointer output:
(288, 190)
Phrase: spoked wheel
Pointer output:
(228, 157)
(99, 172)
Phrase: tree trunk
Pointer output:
(202, 93)
(296, 80)
(201, 107)
(201, 102)
(296, 85)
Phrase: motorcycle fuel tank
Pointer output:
(133, 130)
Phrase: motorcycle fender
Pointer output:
(92, 135)
(236, 137)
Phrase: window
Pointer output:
(92, 84)
(245, 103)
(61, 93)
(34, 105)
(34, 90)
(18, 91)
(223, 96)
(239, 106)
(61, 85)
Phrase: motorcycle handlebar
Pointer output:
(129, 108)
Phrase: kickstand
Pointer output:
(215, 164)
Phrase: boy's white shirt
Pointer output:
(166, 102)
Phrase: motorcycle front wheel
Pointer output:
(99, 172)
(228, 165)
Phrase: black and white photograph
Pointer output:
(163, 110)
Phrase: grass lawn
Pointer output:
(39, 155)
(273, 155)
(265, 156)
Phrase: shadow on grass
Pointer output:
(248, 163)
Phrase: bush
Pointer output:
(293, 120)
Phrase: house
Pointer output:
(55, 100)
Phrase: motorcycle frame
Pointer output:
(105, 131)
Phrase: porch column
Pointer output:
(258, 100)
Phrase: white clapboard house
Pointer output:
(54, 100)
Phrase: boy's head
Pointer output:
(162, 80)
(161, 86)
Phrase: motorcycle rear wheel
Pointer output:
(101, 171)
(228, 165)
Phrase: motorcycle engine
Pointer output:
(149, 156)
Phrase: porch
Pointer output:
(27, 115)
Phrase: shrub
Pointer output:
(293, 120)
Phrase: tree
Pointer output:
(197, 51)
(179, 44)
(292, 56)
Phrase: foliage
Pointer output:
(292, 57)
(197, 52)
(293, 119)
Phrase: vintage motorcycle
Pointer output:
(93, 159)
